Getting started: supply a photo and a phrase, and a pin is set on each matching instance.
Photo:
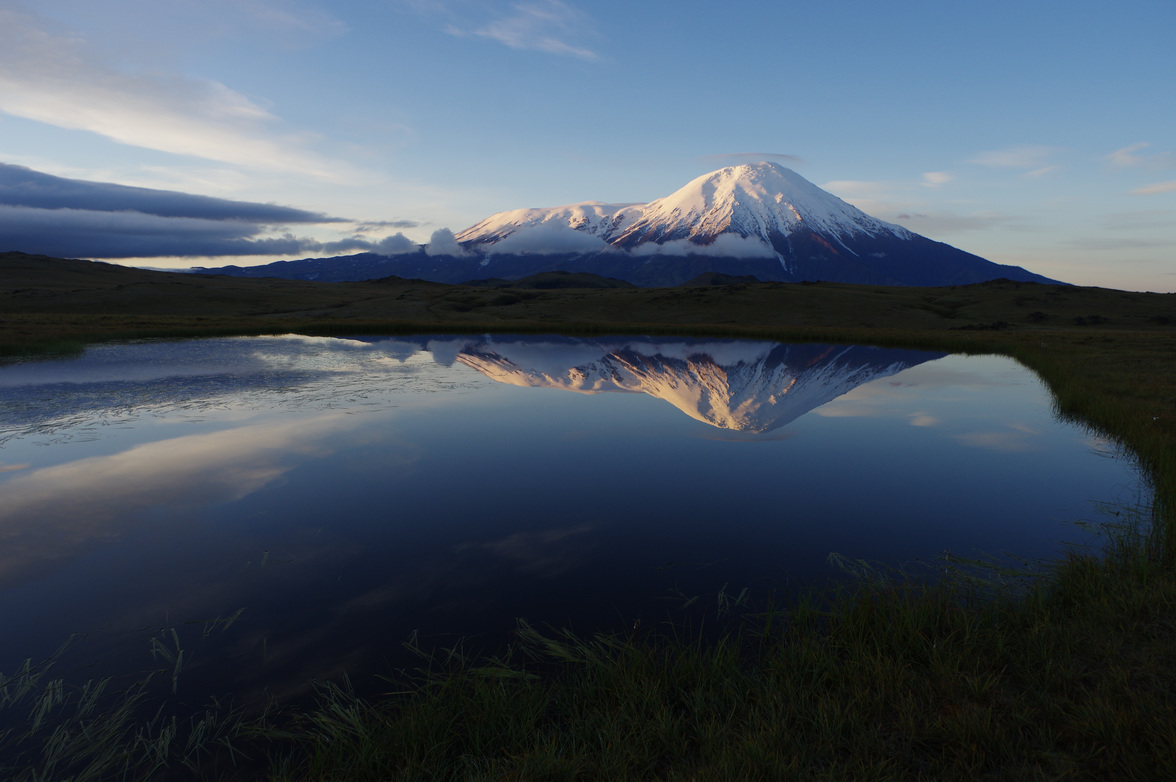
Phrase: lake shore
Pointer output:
(1074, 675)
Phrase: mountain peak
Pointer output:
(759, 204)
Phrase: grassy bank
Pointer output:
(1070, 675)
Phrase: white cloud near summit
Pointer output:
(443, 242)
(549, 237)
(724, 245)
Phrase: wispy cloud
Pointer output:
(378, 225)
(1034, 158)
(1156, 189)
(550, 26)
(281, 17)
(937, 178)
(21, 186)
(1127, 157)
(59, 79)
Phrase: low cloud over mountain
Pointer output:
(51, 215)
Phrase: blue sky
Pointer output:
(1041, 134)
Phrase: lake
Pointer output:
(332, 497)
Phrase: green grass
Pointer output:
(1069, 676)
(56, 728)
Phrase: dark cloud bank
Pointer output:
(50, 215)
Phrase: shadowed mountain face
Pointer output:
(752, 387)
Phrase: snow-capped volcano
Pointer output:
(760, 220)
(733, 217)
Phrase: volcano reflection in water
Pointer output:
(751, 387)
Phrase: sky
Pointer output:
(1039, 134)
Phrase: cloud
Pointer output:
(375, 225)
(442, 242)
(277, 16)
(57, 79)
(395, 245)
(1156, 189)
(76, 233)
(1126, 158)
(79, 233)
(185, 25)
(937, 178)
(549, 237)
(20, 186)
(1038, 173)
(541, 25)
(73, 218)
(1026, 156)
(724, 245)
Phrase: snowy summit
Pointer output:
(761, 202)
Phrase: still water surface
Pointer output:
(346, 493)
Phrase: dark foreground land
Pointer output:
(1071, 674)
(45, 301)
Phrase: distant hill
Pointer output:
(556, 280)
